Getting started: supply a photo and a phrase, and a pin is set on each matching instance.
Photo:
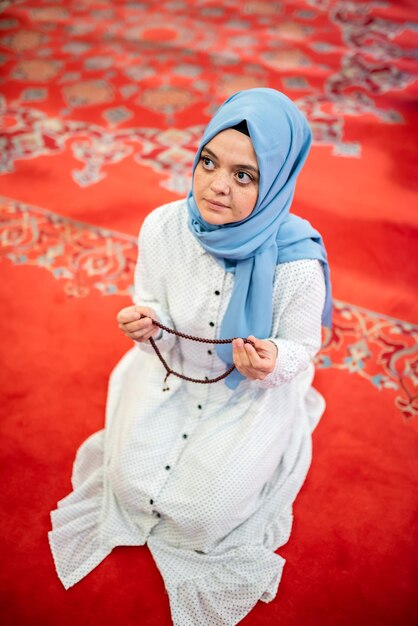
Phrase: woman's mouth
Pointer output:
(216, 206)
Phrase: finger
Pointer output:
(258, 344)
(138, 335)
(253, 340)
(145, 311)
(265, 354)
(254, 359)
(236, 355)
(142, 337)
(259, 356)
(240, 356)
(143, 324)
(127, 315)
(265, 348)
(241, 361)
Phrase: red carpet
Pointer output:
(103, 103)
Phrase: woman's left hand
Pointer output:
(256, 361)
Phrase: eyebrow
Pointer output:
(241, 165)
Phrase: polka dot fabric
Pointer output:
(205, 475)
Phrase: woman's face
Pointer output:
(225, 181)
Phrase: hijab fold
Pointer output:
(252, 248)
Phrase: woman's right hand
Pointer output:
(137, 328)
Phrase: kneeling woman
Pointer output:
(206, 474)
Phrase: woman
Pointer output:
(206, 474)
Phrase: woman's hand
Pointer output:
(257, 361)
(137, 328)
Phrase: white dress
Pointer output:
(205, 475)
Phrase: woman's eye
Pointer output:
(207, 163)
(243, 177)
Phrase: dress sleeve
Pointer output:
(149, 282)
(299, 330)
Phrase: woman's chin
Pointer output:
(214, 220)
(214, 216)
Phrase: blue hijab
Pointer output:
(252, 248)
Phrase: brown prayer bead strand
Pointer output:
(188, 378)
(169, 371)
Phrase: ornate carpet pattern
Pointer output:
(381, 349)
(106, 56)
(102, 105)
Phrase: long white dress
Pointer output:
(204, 475)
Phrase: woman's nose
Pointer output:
(220, 183)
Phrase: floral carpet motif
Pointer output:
(382, 350)
(30, 133)
(108, 83)
(146, 66)
(102, 106)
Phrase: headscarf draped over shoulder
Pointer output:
(252, 248)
